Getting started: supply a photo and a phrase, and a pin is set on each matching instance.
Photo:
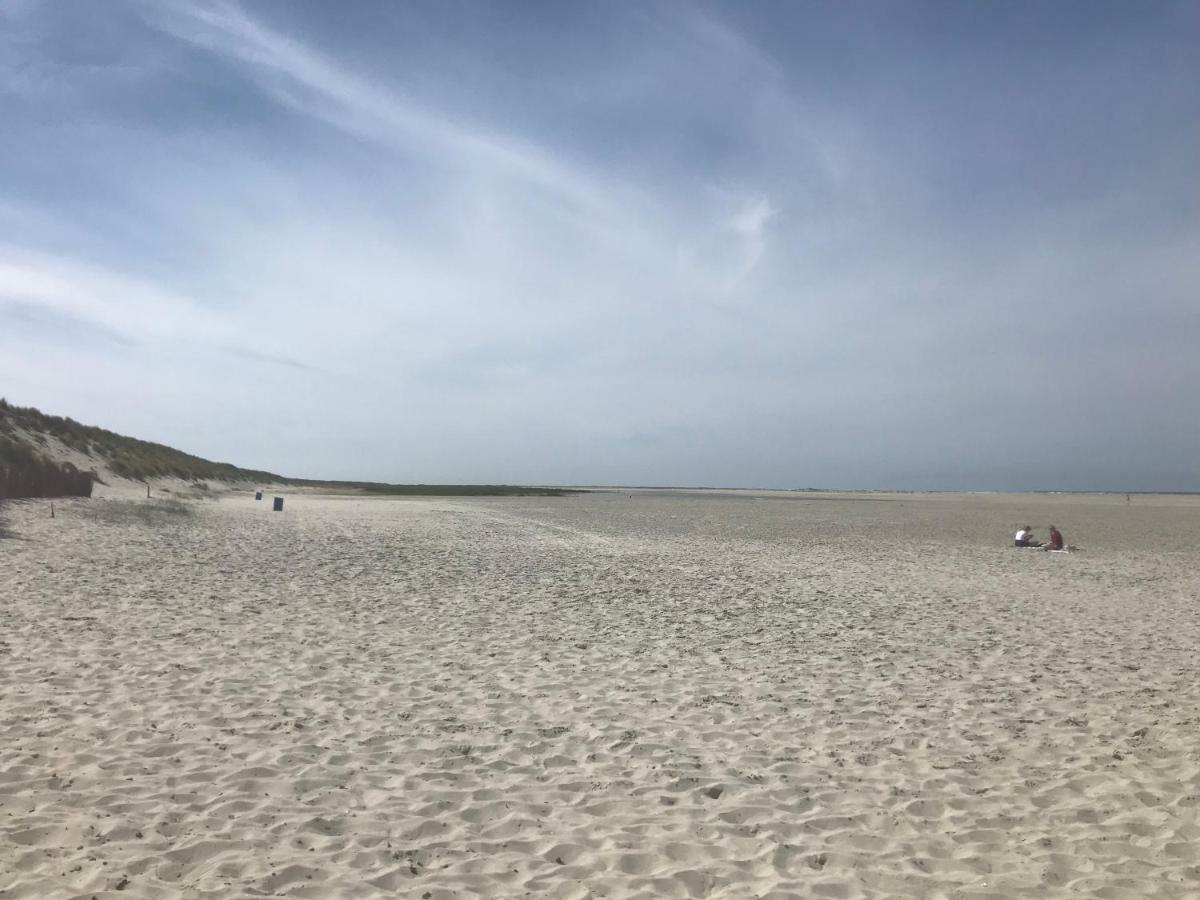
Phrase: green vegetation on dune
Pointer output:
(127, 457)
(26, 473)
(143, 460)
(15, 452)
(465, 490)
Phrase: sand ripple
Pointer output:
(598, 696)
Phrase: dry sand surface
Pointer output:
(657, 695)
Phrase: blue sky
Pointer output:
(926, 245)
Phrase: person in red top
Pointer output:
(1056, 539)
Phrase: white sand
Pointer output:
(663, 696)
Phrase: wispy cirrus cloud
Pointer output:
(305, 80)
(135, 310)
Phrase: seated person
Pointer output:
(1024, 538)
(1056, 539)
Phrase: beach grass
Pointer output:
(139, 460)
(153, 513)
(127, 457)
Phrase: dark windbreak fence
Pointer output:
(38, 478)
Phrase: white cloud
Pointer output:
(113, 302)
(303, 247)
(750, 223)
(302, 78)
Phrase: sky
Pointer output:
(890, 245)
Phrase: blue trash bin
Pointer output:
(258, 495)
(278, 504)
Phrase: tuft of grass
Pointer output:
(155, 513)
(16, 452)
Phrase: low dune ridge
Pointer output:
(601, 695)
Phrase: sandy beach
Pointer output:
(642, 694)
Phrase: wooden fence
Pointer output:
(39, 478)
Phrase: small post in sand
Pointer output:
(147, 490)
(52, 509)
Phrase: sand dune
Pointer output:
(599, 696)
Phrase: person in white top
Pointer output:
(1024, 538)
